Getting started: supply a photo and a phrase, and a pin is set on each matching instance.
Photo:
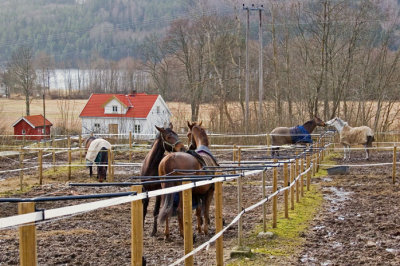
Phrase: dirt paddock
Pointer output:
(358, 224)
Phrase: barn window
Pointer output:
(137, 128)
(158, 109)
(23, 132)
(115, 108)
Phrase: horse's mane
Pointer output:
(308, 123)
(205, 139)
(88, 139)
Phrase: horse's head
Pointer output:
(86, 142)
(319, 122)
(170, 139)
(196, 135)
(334, 120)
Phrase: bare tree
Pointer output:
(23, 73)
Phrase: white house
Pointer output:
(138, 113)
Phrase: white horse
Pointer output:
(352, 136)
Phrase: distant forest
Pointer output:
(72, 30)
(319, 57)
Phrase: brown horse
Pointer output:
(294, 135)
(198, 140)
(97, 153)
(166, 140)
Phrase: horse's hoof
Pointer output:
(154, 233)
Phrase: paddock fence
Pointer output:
(296, 164)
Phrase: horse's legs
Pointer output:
(275, 152)
(145, 205)
(199, 218)
(155, 215)
(348, 151)
(366, 152)
(206, 207)
(166, 232)
(180, 214)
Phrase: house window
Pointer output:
(137, 128)
(42, 130)
(96, 127)
(115, 108)
(158, 109)
(23, 132)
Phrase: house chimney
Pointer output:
(133, 92)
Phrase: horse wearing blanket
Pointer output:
(352, 136)
(294, 135)
(97, 153)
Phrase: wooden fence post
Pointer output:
(239, 155)
(130, 146)
(302, 177)
(264, 194)
(110, 177)
(240, 222)
(275, 198)
(112, 163)
(308, 173)
(297, 181)
(137, 229)
(187, 223)
(40, 159)
(69, 163)
(54, 160)
(292, 173)
(80, 148)
(286, 192)
(27, 237)
(219, 244)
(21, 166)
(394, 163)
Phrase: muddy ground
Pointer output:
(358, 224)
(360, 221)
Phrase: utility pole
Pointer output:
(260, 70)
(246, 113)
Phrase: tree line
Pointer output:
(326, 58)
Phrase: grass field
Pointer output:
(58, 110)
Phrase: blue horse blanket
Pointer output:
(300, 135)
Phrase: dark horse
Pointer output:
(166, 140)
(198, 140)
(97, 153)
(294, 135)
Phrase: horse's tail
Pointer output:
(167, 208)
(370, 139)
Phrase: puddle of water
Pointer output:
(393, 250)
(337, 195)
(319, 227)
(337, 245)
(305, 258)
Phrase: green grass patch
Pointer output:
(330, 159)
(288, 234)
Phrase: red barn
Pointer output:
(32, 126)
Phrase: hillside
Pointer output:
(77, 29)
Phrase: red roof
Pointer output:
(139, 105)
(34, 120)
